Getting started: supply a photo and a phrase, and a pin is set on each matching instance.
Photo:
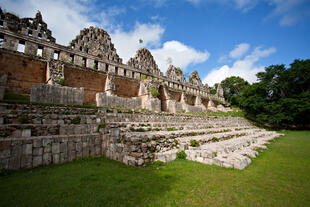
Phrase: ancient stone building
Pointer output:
(144, 61)
(175, 73)
(131, 123)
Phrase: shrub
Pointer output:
(102, 126)
(181, 155)
(154, 92)
(215, 139)
(60, 81)
(158, 163)
(194, 143)
(171, 129)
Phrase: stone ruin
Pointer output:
(140, 115)
(144, 61)
(195, 79)
(175, 74)
(96, 42)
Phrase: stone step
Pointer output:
(180, 133)
(232, 153)
(28, 130)
(50, 119)
(214, 137)
(159, 126)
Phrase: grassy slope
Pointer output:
(279, 176)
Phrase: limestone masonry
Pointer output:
(150, 121)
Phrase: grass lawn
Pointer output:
(280, 176)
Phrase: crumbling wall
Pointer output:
(144, 61)
(96, 42)
(22, 72)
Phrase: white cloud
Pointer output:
(239, 50)
(127, 43)
(181, 55)
(245, 68)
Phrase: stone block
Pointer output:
(55, 148)
(37, 143)
(26, 133)
(27, 149)
(56, 158)
(37, 161)
(26, 161)
(37, 151)
(63, 147)
(63, 157)
(47, 158)
(46, 142)
(85, 149)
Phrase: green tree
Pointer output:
(233, 87)
(281, 98)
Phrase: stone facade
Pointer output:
(144, 61)
(195, 79)
(34, 27)
(96, 42)
(175, 74)
(44, 93)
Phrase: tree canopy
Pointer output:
(281, 97)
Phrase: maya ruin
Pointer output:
(142, 115)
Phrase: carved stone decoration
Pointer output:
(55, 72)
(206, 88)
(34, 27)
(220, 91)
(183, 98)
(97, 42)
(195, 79)
(144, 61)
(175, 74)
(110, 85)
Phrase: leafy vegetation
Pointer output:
(194, 143)
(60, 81)
(154, 92)
(233, 86)
(181, 155)
(281, 98)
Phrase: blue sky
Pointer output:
(218, 38)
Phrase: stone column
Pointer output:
(110, 85)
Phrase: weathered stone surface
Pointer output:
(195, 79)
(144, 61)
(175, 74)
(3, 81)
(96, 42)
(43, 93)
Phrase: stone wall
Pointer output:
(102, 99)
(22, 72)
(32, 152)
(91, 82)
(126, 88)
(43, 93)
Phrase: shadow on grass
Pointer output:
(95, 182)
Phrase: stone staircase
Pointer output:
(33, 135)
(224, 141)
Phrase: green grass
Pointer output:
(280, 176)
